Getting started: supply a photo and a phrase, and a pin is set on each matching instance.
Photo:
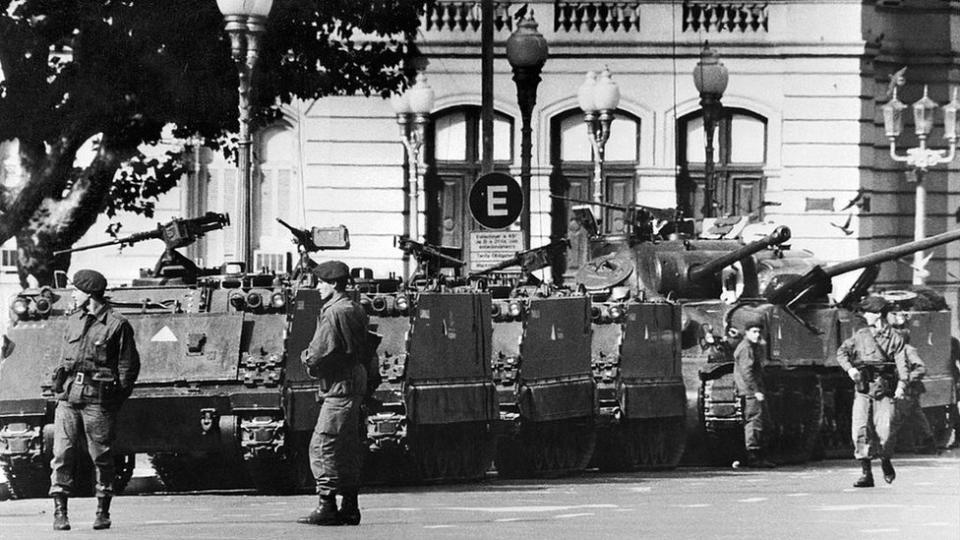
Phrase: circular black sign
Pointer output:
(496, 200)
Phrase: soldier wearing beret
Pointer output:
(748, 376)
(876, 361)
(337, 355)
(96, 375)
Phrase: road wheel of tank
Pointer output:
(547, 449)
(659, 441)
(28, 478)
(722, 436)
(796, 416)
(183, 471)
(451, 452)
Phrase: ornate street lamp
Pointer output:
(598, 98)
(413, 109)
(527, 52)
(921, 158)
(710, 77)
(246, 21)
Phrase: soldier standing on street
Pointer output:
(337, 355)
(876, 361)
(748, 376)
(99, 368)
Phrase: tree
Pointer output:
(119, 71)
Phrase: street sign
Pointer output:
(496, 200)
(488, 248)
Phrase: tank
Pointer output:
(809, 395)
(540, 358)
(214, 359)
(433, 414)
(643, 287)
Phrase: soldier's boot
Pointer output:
(60, 520)
(756, 459)
(889, 474)
(350, 509)
(324, 514)
(102, 520)
(866, 479)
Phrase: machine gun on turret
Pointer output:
(425, 254)
(790, 289)
(529, 260)
(178, 233)
(641, 222)
(316, 239)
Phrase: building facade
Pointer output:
(801, 142)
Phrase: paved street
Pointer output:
(814, 501)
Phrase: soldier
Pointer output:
(337, 356)
(96, 375)
(910, 411)
(748, 376)
(875, 359)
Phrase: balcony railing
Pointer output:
(724, 17)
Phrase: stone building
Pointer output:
(801, 142)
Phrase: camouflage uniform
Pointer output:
(881, 358)
(97, 374)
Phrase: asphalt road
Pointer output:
(814, 501)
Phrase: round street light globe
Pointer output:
(400, 103)
(421, 96)
(585, 93)
(606, 93)
(249, 8)
(710, 75)
(526, 47)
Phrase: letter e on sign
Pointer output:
(496, 200)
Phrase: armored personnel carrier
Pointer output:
(644, 286)
(810, 396)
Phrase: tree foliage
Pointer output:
(119, 71)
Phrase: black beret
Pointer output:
(331, 271)
(90, 282)
(874, 304)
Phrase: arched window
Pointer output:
(454, 151)
(572, 157)
(740, 153)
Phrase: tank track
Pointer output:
(435, 453)
(721, 417)
(195, 472)
(834, 441)
(796, 409)
(546, 448)
(283, 473)
(647, 444)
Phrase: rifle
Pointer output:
(177, 233)
(423, 251)
(528, 260)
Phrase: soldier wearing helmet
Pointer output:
(337, 355)
(913, 421)
(96, 375)
(748, 376)
(876, 361)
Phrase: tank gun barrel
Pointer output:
(818, 278)
(778, 236)
(177, 233)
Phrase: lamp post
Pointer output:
(245, 22)
(710, 77)
(598, 98)
(921, 158)
(527, 52)
(413, 114)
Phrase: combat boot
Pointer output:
(60, 520)
(889, 474)
(350, 509)
(756, 460)
(324, 514)
(866, 479)
(103, 513)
